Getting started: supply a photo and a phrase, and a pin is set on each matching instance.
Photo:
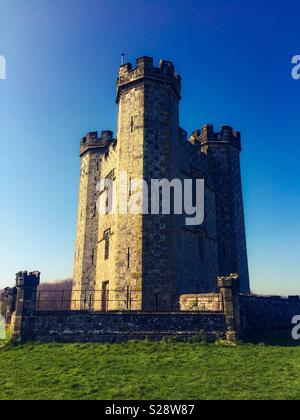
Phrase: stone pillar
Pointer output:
(26, 284)
(229, 288)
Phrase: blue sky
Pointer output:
(62, 61)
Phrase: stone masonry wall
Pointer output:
(105, 271)
(263, 313)
(227, 314)
(195, 250)
(116, 327)
(205, 302)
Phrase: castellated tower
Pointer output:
(148, 99)
(225, 147)
(91, 149)
(127, 261)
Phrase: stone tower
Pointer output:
(225, 147)
(144, 261)
(148, 128)
(91, 149)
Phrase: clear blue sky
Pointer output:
(62, 61)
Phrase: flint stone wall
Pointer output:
(268, 313)
(118, 326)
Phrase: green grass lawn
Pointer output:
(141, 370)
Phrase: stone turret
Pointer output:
(91, 143)
(26, 286)
(227, 136)
(92, 148)
(225, 147)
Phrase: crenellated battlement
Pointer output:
(92, 142)
(227, 135)
(25, 279)
(145, 69)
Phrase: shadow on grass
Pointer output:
(280, 339)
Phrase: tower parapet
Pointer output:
(145, 69)
(93, 143)
(227, 136)
(28, 280)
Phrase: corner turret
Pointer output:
(227, 136)
(28, 280)
(225, 147)
(93, 143)
(92, 150)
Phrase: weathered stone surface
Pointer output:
(229, 288)
(92, 148)
(26, 285)
(115, 327)
(211, 302)
(268, 313)
(158, 257)
(236, 314)
(225, 148)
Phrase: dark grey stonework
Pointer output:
(117, 327)
(91, 326)
(231, 316)
(259, 313)
(225, 148)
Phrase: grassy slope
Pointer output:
(149, 371)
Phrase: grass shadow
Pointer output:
(279, 338)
